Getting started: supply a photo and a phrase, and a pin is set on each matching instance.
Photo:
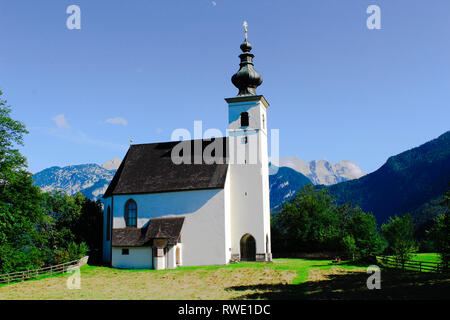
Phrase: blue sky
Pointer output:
(338, 91)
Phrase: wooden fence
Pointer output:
(413, 265)
(34, 274)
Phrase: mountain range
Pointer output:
(323, 171)
(93, 179)
(412, 181)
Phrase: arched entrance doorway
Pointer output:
(248, 248)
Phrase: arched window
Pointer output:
(131, 213)
(108, 224)
(244, 119)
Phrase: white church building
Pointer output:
(195, 202)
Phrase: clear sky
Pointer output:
(337, 90)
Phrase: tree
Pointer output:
(350, 246)
(399, 233)
(360, 236)
(90, 228)
(22, 245)
(63, 213)
(440, 235)
(440, 231)
(72, 220)
(307, 223)
(11, 134)
(38, 228)
(446, 200)
(312, 222)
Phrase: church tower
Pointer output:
(249, 164)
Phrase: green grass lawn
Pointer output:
(427, 257)
(281, 279)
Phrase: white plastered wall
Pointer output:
(250, 209)
(138, 258)
(203, 235)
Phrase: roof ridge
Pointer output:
(152, 143)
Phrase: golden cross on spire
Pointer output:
(131, 141)
(245, 28)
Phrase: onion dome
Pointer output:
(247, 79)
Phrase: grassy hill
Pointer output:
(409, 182)
(282, 279)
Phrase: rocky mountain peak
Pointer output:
(112, 164)
(323, 171)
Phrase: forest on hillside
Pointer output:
(314, 222)
(412, 182)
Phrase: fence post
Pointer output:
(420, 266)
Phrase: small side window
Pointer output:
(244, 119)
(125, 252)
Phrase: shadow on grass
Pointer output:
(395, 285)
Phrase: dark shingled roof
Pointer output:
(129, 237)
(148, 168)
(157, 228)
(165, 228)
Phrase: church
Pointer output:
(195, 202)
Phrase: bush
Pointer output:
(71, 253)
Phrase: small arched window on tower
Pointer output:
(131, 213)
(244, 119)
